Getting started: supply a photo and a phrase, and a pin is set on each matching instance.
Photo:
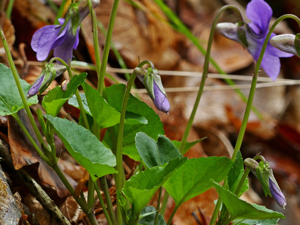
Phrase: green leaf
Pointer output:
(140, 188)
(193, 178)
(256, 222)
(155, 154)
(236, 173)
(240, 209)
(149, 220)
(73, 101)
(86, 149)
(114, 96)
(103, 114)
(56, 98)
(10, 99)
(188, 145)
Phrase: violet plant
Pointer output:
(135, 130)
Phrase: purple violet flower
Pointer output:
(161, 102)
(260, 13)
(277, 194)
(62, 41)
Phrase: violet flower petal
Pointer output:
(43, 39)
(260, 13)
(277, 194)
(34, 89)
(65, 50)
(161, 102)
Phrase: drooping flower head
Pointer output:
(287, 42)
(62, 38)
(49, 72)
(253, 34)
(152, 81)
(264, 173)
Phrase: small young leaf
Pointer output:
(188, 145)
(193, 177)
(56, 98)
(140, 188)
(103, 114)
(86, 149)
(240, 209)
(149, 220)
(10, 99)
(155, 154)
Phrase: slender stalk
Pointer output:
(96, 48)
(91, 190)
(173, 213)
(103, 205)
(39, 151)
(60, 11)
(119, 167)
(82, 110)
(9, 8)
(164, 203)
(158, 206)
(250, 98)
(104, 187)
(17, 80)
(107, 46)
(204, 74)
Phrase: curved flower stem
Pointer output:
(250, 101)
(107, 46)
(17, 80)
(253, 84)
(204, 74)
(82, 110)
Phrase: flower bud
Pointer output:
(152, 81)
(264, 173)
(48, 74)
(285, 42)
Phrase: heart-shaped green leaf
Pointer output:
(188, 145)
(86, 149)
(155, 154)
(193, 177)
(140, 188)
(240, 209)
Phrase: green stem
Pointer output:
(80, 201)
(164, 203)
(107, 45)
(60, 11)
(39, 151)
(82, 110)
(227, 221)
(119, 167)
(17, 80)
(91, 190)
(9, 8)
(96, 48)
(158, 204)
(173, 213)
(204, 74)
(104, 187)
(103, 205)
(251, 96)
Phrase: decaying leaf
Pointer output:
(23, 154)
(10, 211)
(8, 30)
